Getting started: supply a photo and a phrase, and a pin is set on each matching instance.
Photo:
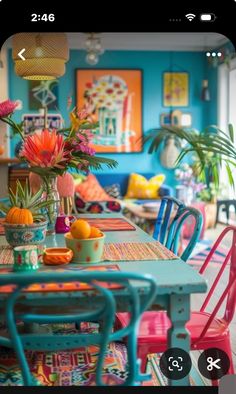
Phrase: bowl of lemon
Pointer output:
(85, 241)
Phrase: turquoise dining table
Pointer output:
(176, 281)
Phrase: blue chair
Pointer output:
(171, 217)
(84, 310)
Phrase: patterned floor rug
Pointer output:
(66, 368)
(217, 258)
(77, 368)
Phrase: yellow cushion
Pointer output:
(140, 187)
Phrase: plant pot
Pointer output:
(210, 210)
(25, 234)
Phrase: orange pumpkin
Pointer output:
(19, 216)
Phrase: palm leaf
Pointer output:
(231, 132)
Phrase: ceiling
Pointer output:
(152, 41)
(149, 41)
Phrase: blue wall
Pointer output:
(153, 64)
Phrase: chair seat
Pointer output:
(154, 325)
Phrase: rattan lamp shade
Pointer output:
(45, 55)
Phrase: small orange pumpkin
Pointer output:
(19, 216)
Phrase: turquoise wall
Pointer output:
(153, 64)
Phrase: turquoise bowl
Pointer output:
(25, 234)
(86, 251)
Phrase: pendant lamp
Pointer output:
(45, 55)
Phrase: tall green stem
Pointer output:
(12, 124)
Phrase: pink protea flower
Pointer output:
(45, 149)
(7, 108)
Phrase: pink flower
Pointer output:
(85, 149)
(82, 113)
(84, 135)
(45, 149)
(7, 108)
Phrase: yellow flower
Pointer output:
(76, 122)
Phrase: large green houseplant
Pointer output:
(213, 148)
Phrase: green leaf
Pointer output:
(89, 126)
(230, 175)
(4, 208)
(231, 132)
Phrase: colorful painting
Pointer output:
(175, 89)
(34, 122)
(114, 99)
(43, 93)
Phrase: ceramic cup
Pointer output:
(25, 258)
(63, 223)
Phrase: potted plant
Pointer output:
(213, 147)
(25, 221)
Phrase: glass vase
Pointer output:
(51, 193)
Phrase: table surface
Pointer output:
(185, 279)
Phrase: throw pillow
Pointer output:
(91, 190)
(140, 187)
(113, 190)
(95, 206)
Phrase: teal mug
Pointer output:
(25, 258)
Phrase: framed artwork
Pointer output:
(176, 118)
(43, 93)
(34, 122)
(114, 99)
(175, 89)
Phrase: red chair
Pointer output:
(207, 330)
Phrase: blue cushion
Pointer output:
(106, 179)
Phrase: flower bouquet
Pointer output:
(51, 152)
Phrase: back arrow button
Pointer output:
(20, 54)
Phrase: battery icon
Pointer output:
(207, 17)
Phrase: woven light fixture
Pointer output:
(45, 55)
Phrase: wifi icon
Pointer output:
(190, 17)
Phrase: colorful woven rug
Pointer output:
(77, 367)
(67, 368)
(137, 251)
(217, 258)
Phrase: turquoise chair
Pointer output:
(171, 217)
(105, 311)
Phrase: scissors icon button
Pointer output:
(213, 363)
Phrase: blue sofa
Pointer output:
(106, 179)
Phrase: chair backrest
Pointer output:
(84, 308)
(172, 215)
(228, 286)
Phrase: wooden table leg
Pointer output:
(178, 336)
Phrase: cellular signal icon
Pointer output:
(190, 17)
